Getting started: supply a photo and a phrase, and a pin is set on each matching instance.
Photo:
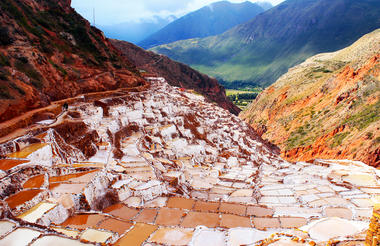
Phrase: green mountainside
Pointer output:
(260, 51)
(210, 20)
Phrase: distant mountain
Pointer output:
(259, 51)
(265, 5)
(207, 21)
(327, 107)
(176, 74)
(136, 31)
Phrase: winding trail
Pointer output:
(21, 125)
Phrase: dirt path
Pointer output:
(23, 124)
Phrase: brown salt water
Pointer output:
(21, 197)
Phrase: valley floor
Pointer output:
(164, 167)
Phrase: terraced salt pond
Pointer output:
(27, 151)
(169, 168)
(7, 164)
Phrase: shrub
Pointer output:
(28, 69)
(3, 76)
(37, 83)
(68, 60)
(365, 117)
(59, 68)
(322, 70)
(5, 38)
(46, 48)
(338, 139)
(22, 59)
(377, 140)
(14, 86)
(369, 135)
(4, 60)
(4, 92)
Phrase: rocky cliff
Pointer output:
(326, 107)
(177, 74)
(49, 52)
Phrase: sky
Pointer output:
(111, 12)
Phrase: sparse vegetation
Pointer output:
(59, 68)
(369, 135)
(321, 70)
(296, 137)
(377, 140)
(29, 70)
(338, 139)
(366, 116)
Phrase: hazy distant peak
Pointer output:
(210, 20)
(265, 5)
(228, 4)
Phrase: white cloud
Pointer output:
(117, 11)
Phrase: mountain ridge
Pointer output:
(207, 21)
(261, 50)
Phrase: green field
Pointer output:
(235, 92)
(242, 98)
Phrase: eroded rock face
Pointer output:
(326, 107)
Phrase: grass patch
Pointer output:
(243, 91)
(321, 70)
(242, 98)
(296, 138)
(59, 68)
(365, 117)
(28, 69)
(338, 139)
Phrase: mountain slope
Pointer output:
(258, 52)
(176, 74)
(135, 32)
(326, 107)
(207, 21)
(48, 52)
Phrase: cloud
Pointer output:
(118, 11)
(166, 5)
